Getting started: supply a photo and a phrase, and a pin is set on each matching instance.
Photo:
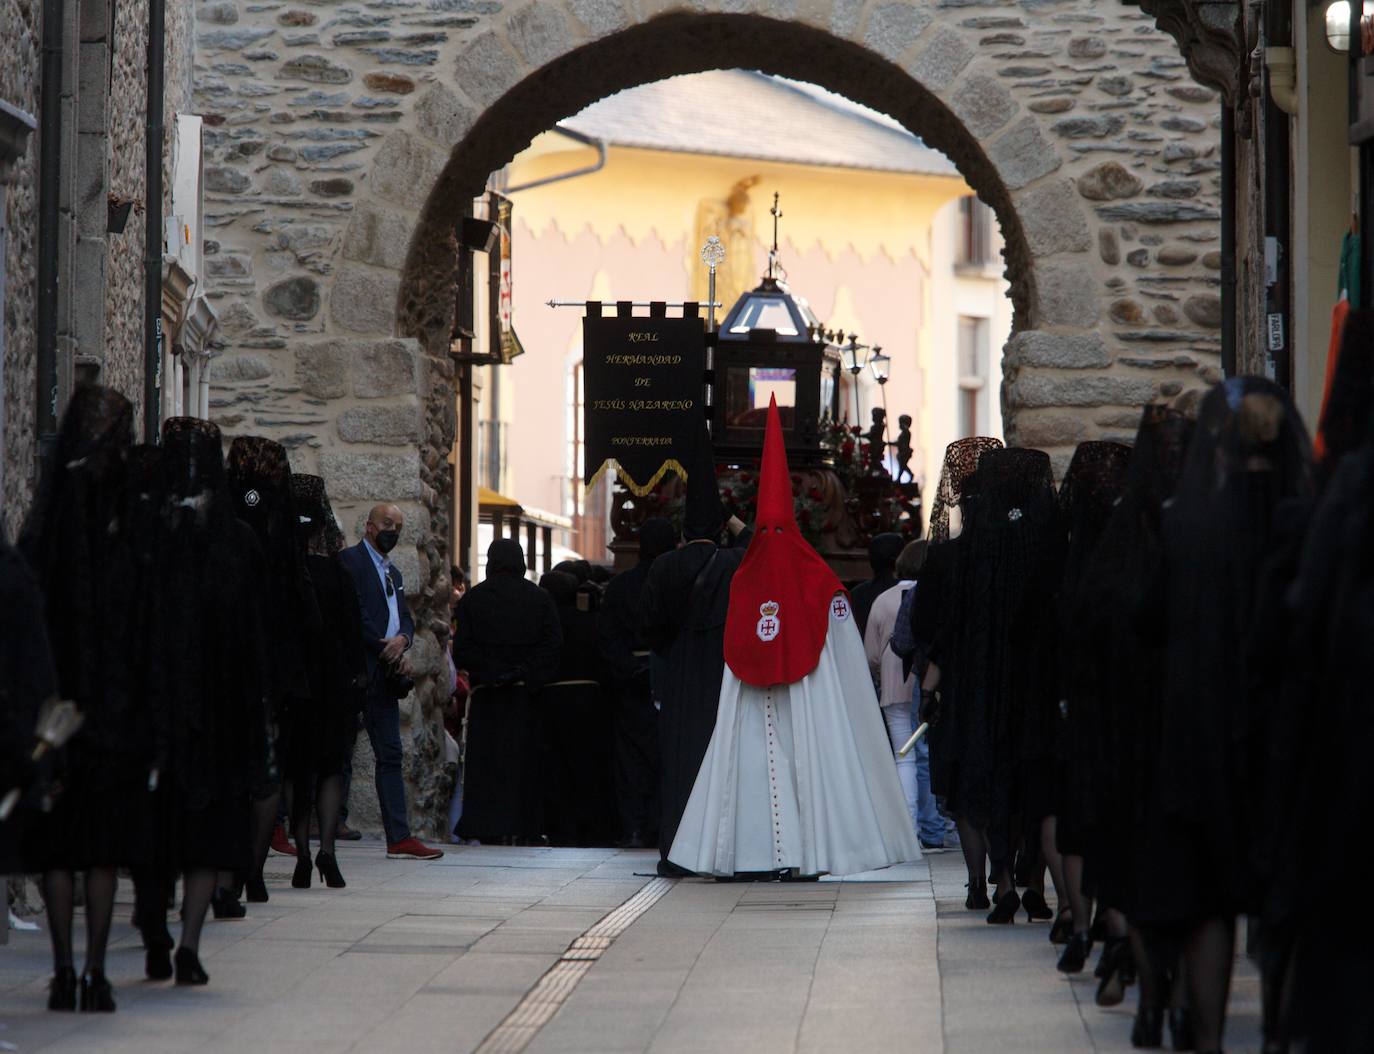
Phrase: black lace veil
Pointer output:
(961, 460)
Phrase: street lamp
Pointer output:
(881, 365)
(851, 353)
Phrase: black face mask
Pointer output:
(386, 541)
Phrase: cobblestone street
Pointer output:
(419, 957)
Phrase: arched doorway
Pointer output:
(1076, 128)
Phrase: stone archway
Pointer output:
(1077, 122)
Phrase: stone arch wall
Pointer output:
(351, 135)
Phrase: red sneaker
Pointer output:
(280, 843)
(412, 849)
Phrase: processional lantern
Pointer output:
(772, 345)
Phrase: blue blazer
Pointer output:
(357, 561)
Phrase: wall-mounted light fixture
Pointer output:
(1338, 24)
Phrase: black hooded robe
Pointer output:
(683, 607)
(509, 641)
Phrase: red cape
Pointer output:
(782, 594)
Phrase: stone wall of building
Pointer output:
(123, 353)
(345, 138)
(19, 87)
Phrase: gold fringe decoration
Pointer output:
(639, 490)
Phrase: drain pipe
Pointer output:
(49, 203)
(152, 234)
(598, 145)
(1228, 241)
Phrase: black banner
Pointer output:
(643, 385)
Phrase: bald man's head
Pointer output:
(383, 528)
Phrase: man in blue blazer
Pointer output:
(388, 631)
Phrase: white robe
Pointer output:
(799, 775)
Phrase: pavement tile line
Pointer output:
(551, 991)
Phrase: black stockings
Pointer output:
(975, 848)
(198, 887)
(328, 800)
(59, 893)
(1079, 902)
(264, 819)
(1208, 953)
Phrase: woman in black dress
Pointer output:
(96, 785)
(1249, 453)
(260, 482)
(207, 691)
(1060, 792)
(931, 623)
(324, 727)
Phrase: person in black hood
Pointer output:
(579, 787)
(883, 551)
(683, 606)
(81, 556)
(260, 481)
(509, 640)
(621, 636)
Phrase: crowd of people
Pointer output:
(1147, 685)
(1142, 685)
(220, 644)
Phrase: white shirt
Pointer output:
(883, 662)
(393, 606)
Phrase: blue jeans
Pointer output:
(382, 719)
(930, 825)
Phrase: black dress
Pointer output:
(509, 640)
(997, 638)
(1248, 454)
(26, 682)
(1119, 725)
(1060, 743)
(324, 726)
(684, 605)
(259, 476)
(75, 543)
(211, 693)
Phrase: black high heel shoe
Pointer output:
(1004, 913)
(977, 899)
(1036, 908)
(189, 970)
(256, 889)
(1181, 1028)
(1076, 953)
(1115, 972)
(225, 905)
(300, 878)
(1062, 929)
(1148, 1031)
(157, 962)
(330, 874)
(62, 990)
(97, 997)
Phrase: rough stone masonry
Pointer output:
(344, 137)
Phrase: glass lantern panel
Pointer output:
(827, 392)
(765, 312)
(748, 389)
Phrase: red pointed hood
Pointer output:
(780, 598)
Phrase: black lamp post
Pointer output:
(854, 361)
(881, 365)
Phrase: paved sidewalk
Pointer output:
(418, 957)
